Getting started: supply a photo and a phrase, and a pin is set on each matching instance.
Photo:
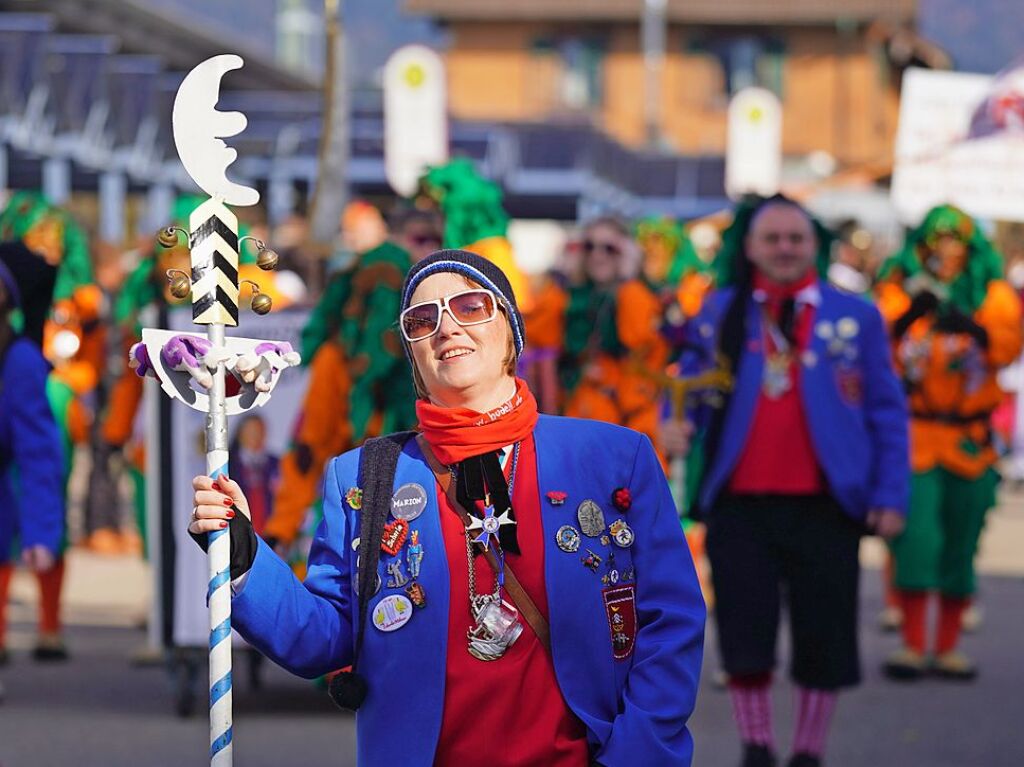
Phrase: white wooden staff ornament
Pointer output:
(191, 367)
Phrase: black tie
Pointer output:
(478, 476)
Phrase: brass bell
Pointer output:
(168, 237)
(181, 285)
(266, 259)
(261, 303)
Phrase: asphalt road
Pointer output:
(100, 710)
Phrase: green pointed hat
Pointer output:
(27, 210)
(684, 259)
(984, 263)
(471, 205)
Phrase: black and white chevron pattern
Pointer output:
(214, 243)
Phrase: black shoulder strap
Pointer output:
(378, 461)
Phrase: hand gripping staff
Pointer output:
(193, 368)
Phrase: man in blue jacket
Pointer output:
(807, 453)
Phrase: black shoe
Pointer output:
(804, 760)
(50, 649)
(757, 756)
(5, 657)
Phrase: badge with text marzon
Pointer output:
(408, 502)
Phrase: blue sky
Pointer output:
(981, 35)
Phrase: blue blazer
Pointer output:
(635, 710)
(31, 454)
(855, 407)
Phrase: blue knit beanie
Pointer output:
(476, 268)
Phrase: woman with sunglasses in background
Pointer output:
(607, 326)
(590, 365)
(537, 604)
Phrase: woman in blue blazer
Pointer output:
(593, 659)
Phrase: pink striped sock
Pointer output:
(752, 708)
(813, 717)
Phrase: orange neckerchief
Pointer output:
(455, 434)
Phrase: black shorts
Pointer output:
(803, 549)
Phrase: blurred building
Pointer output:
(546, 97)
(834, 65)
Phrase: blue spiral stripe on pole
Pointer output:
(222, 632)
(222, 686)
(221, 743)
(222, 577)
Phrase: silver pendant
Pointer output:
(497, 628)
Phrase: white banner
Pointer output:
(937, 159)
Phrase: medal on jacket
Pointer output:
(496, 622)
(778, 377)
(778, 364)
(489, 524)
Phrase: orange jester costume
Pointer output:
(615, 342)
(955, 322)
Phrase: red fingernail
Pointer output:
(230, 515)
(228, 502)
(223, 524)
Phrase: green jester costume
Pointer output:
(359, 379)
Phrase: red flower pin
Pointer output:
(622, 499)
(557, 497)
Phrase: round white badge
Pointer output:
(847, 327)
(392, 612)
(408, 502)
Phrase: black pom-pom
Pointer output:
(347, 690)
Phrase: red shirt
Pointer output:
(507, 712)
(779, 456)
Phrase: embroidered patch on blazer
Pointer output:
(620, 607)
(850, 381)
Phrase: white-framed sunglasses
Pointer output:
(470, 307)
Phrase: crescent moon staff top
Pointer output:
(198, 128)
